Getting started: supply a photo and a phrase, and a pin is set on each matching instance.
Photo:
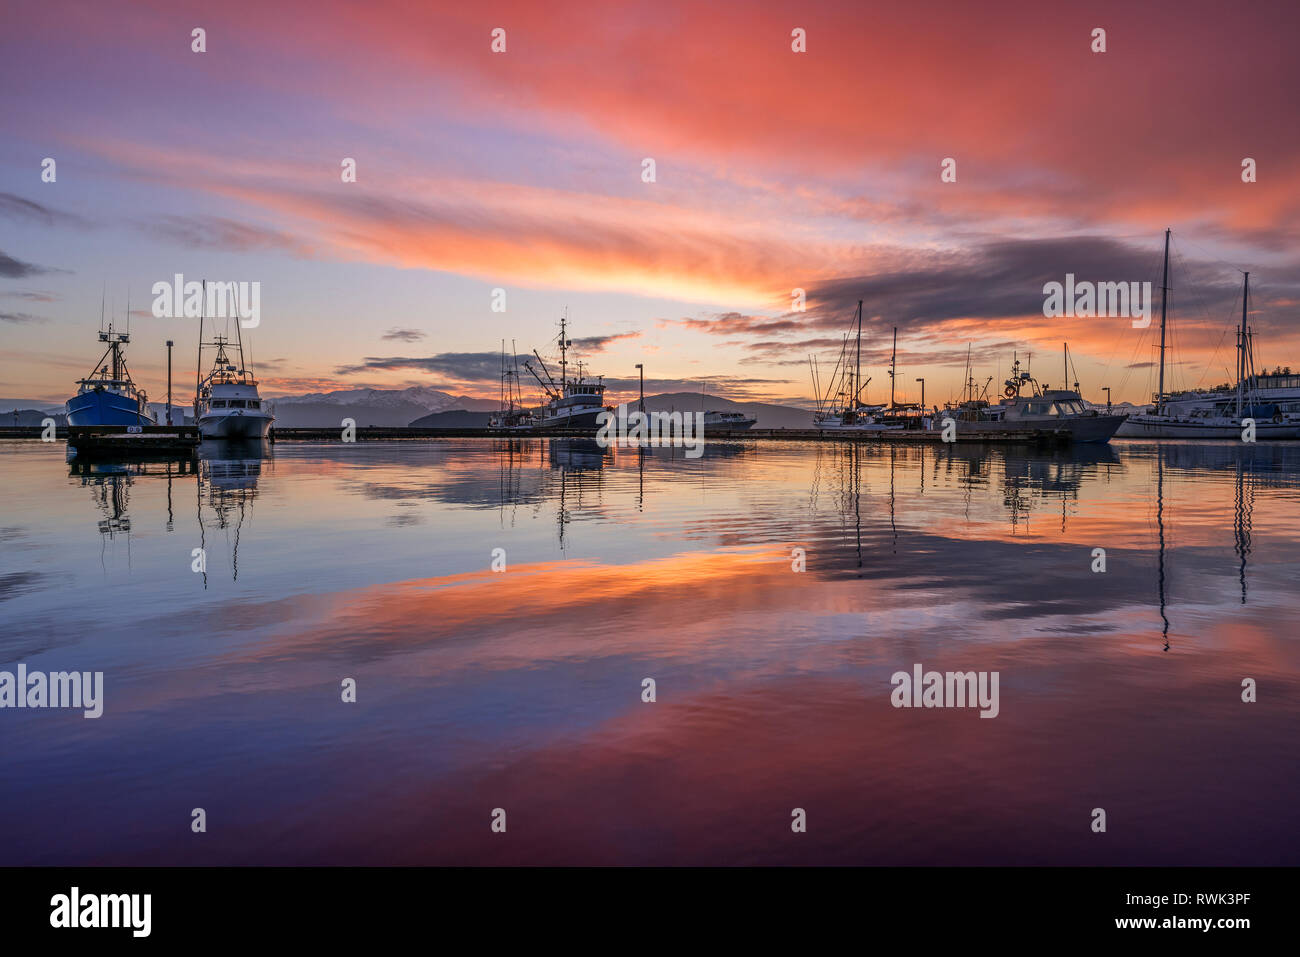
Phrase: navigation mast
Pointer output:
(1164, 304)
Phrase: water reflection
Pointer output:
(522, 688)
(226, 489)
(111, 483)
(224, 474)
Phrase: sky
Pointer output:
(524, 171)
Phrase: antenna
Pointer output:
(198, 362)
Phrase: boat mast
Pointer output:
(1164, 309)
(198, 363)
(1241, 341)
(239, 341)
(564, 345)
(893, 358)
(968, 383)
(857, 365)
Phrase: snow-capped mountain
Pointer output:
(431, 400)
(381, 407)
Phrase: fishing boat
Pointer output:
(1028, 406)
(572, 402)
(108, 396)
(511, 416)
(840, 407)
(1221, 414)
(227, 404)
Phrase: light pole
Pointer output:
(641, 369)
(169, 382)
(922, 381)
(1106, 389)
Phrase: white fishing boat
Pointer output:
(1270, 403)
(572, 402)
(227, 404)
(1028, 406)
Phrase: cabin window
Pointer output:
(1038, 408)
(218, 403)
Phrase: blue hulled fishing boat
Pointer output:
(108, 396)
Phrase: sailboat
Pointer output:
(1216, 416)
(840, 408)
(512, 416)
(108, 396)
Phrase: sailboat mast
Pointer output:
(893, 358)
(1164, 312)
(239, 340)
(1241, 341)
(857, 364)
(198, 363)
(967, 382)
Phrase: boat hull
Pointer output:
(1160, 428)
(235, 426)
(105, 407)
(584, 418)
(1085, 428)
(861, 427)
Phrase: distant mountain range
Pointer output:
(21, 413)
(452, 419)
(380, 407)
(769, 416)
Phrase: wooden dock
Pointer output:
(161, 439)
(128, 441)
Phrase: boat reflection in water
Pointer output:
(228, 473)
(111, 484)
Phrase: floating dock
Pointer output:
(127, 441)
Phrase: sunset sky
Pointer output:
(522, 170)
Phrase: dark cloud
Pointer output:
(25, 210)
(216, 232)
(469, 366)
(461, 366)
(11, 268)
(598, 343)
(404, 335)
(20, 317)
(1004, 280)
(29, 296)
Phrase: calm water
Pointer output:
(522, 689)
